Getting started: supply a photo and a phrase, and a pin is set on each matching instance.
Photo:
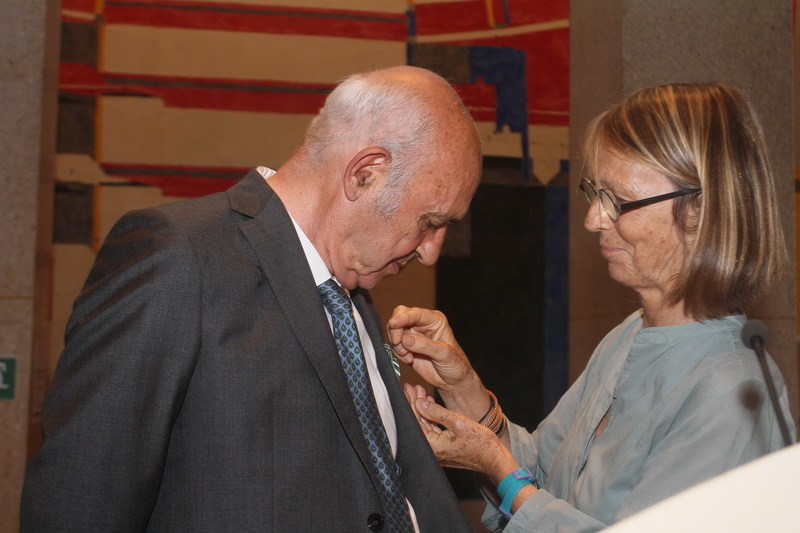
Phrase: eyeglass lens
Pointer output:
(590, 191)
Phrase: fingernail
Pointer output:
(424, 404)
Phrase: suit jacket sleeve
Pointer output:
(130, 350)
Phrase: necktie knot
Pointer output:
(334, 298)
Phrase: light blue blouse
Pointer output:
(688, 402)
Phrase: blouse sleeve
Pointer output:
(535, 451)
(723, 420)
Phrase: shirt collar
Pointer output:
(318, 267)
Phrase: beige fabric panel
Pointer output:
(239, 55)
(143, 130)
(548, 146)
(81, 168)
(155, 134)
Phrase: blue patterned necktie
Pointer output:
(349, 346)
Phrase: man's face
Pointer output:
(381, 245)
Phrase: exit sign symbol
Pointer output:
(8, 368)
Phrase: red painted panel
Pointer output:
(178, 180)
(547, 77)
(471, 15)
(199, 93)
(80, 77)
(547, 71)
(535, 11)
(451, 17)
(78, 5)
(249, 18)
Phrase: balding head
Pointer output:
(411, 112)
(391, 160)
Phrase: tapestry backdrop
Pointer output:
(167, 99)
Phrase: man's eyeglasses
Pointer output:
(613, 209)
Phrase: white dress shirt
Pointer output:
(321, 274)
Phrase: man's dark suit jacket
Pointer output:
(200, 389)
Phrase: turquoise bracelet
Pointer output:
(511, 485)
(515, 475)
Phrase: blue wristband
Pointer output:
(515, 475)
(511, 485)
(511, 493)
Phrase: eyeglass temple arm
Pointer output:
(627, 206)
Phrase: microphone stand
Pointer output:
(758, 346)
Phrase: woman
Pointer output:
(682, 199)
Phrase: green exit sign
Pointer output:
(8, 371)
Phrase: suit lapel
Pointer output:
(374, 328)
(421, 473)
(280, 255)
(405, 420)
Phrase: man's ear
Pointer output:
(363, 171)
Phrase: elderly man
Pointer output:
(208, 383)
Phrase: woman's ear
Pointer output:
(364, 170)
(690, 217)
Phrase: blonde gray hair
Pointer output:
(705, 138)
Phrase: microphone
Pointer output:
(754, 336)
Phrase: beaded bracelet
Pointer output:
(502, 429)
(494, 419)
(492, 406)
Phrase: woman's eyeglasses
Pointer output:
(613, 209)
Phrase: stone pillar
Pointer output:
(29, 34)
(619, 46)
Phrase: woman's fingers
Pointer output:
(414, 393)
(461, 442)
(425, 322)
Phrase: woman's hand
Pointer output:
(423, 339)
(418, 392)
(457, 441)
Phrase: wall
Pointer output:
(28, 62)
(166, 100)
(629, 44)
